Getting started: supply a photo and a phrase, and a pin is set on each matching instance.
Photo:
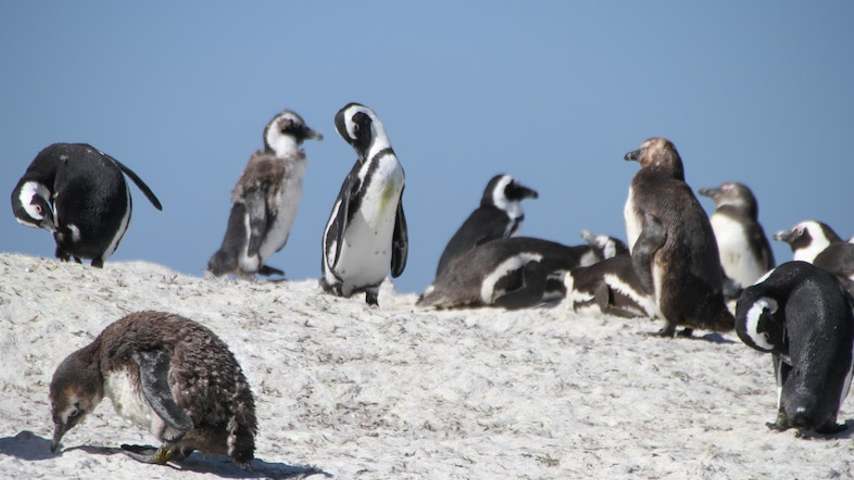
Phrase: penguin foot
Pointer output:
(77, 260)
(267, 271)
(159, 456)
(98, 263)
(372, 298)
(668, 331)
(831, 428)
(685, 333)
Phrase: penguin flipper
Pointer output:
(400, 241)
(153, 373)
(139, 183)
(351, 185)
(652, 237)
(256, 208)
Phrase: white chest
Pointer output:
(287, 201)
(737, 258)
(128, 401)
(634, 223)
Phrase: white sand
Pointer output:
(401, 392)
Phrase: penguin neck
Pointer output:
(379, 142)
(283, 146)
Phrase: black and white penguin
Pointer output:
(365, 238)
(801, 314)
(265, 199)
(744, 249)
(611, 286)
(815, 242)
(686, 271)
(168, 375)
(79, 194)
(513, 272)
(498, 216)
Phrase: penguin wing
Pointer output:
(400, 241)
(139, 183)
(153, 372)
(651, 238)
(482, 225)
(757, 237)
(256, 209)
(346, 208)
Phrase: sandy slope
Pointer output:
(401, 392)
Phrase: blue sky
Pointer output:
(553, 93)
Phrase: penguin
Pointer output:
(365, 237)
(79, 194)
(743, 247)
(815, 242)
(498, 216)
(166, 374)
(265, 199)
(512, 273)
(802, 316)
(604, 245)
(687, 277)
(611, 286)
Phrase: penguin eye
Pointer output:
(38, 209)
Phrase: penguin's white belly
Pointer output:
(634, 223)
(737, 258)
(365, 257)
(287, 200)
(128, 401)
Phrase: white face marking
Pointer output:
(737, 259)
(25, 196)
(488, 294)
(589, 258)
(283, 144)
(753, 316)
(817, 244)
(73, 402)
(634, 222)
(379, 139)
(500, 200)
(606, 243)
(645, 302)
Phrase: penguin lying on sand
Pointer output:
(79, 194)
(803, 317)
(168, 375)
(265, 200)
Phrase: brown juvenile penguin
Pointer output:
(169, 375)
(686, 271)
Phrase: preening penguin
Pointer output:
(687, 277)
(802, 315)
(365, 238)
(815, 242)
(744, 249)
(265, 199)
(167, 374)
(498, 216)
(79, 194)
(513, 272)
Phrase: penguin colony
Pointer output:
(175, 378)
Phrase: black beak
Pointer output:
(785, 236)
(632, 156)
(58, 432)
(709, 192)
(517, 191)
(312, 135)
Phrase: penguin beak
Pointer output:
(58, 431)
(709, 192)
(632, 156)
(312, 135)
(784, 236)
(525, 192)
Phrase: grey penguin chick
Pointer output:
(366, 237)
(79, 194)
(498, 216)
(168, 375)
(687, 277)
(802, 316)
(744, 249)
(265, 200)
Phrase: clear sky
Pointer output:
(553, 93)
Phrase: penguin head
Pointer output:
(809, 235)
(607, 247)
(286, 132)
(75, 390)
(660, 153)
(732, 194)
(758, 324)
(503, 191)
(359, 126)
(32, 206)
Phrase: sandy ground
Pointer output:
(398, 392)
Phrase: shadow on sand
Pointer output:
(28, 446)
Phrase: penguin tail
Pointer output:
(242, 427)
(722, 321)
(139, 183)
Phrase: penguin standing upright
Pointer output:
(686, 271)
(79, 194)
(498, 216)
(265, 199)
(366, 235)
(815, 242)
(801, 315)
(744, 249)
(167, 374)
